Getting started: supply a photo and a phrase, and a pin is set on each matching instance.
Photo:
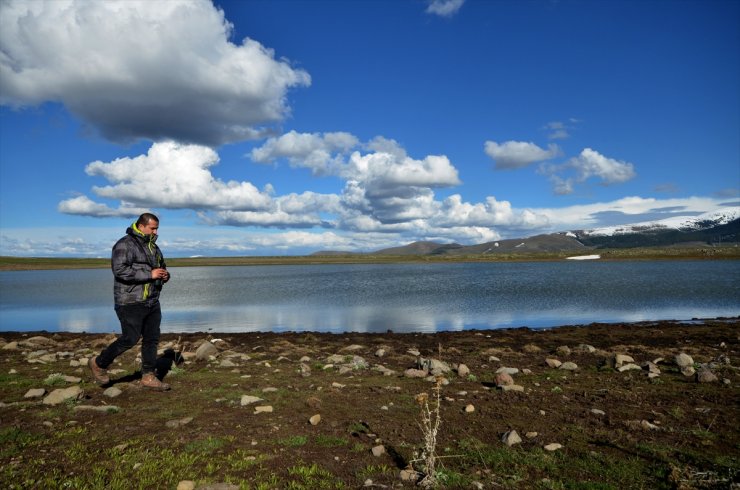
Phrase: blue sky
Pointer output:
(291, 126)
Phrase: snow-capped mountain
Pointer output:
(678, 223)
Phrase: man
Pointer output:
(139, 271)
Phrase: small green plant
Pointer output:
(677, 413)
(55, 379)
(330, 441)
(312, 477)
(294, 441)
(176, 370)
(472, 378)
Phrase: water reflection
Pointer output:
(377, 298)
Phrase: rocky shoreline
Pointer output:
(644, 405)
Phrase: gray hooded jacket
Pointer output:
(133, 258)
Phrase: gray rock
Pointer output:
(512, 388)
(620, 359)
(336, 359)
(563, 350)
(378, 451)
(463, 370)
(629, 367)
(569, 366)
(511, 438)
(205, 350)
(61, 395)
(112, 392)
(503, 379)
(507, 370)
(704, 375)
(586, 348)
(248, 400)
(35, 393)
(688, 371)
(434, 366)
(683, 360)
(553, 363)
(415, 373)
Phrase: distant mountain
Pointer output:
(710, 228)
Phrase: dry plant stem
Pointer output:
(430, 423)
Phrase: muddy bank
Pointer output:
(593, 406)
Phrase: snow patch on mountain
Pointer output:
(681, 223)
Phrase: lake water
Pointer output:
(376, 298)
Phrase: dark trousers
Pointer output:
(139, 321)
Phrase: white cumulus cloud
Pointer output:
(518, 154)
(444, 8)
(174, 176)
(84, 206)
(139, 69)
(588, 164)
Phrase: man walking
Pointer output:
(139, 272)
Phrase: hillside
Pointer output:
(713, 229)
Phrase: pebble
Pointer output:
(553, 446)
(112, 392)
(205, 350)
(315, 419)
(263, 409)
(511, 437)
(683, 360)
(553, 363)
(688, 371)
(469, 408)
(248, 400)
(463, 370)
(563, 350)
(503, 379)
(61, 395)
(620, 359)
(35, 393)
(378, 450)
(706, 376)
(512, 388)
(569, 366)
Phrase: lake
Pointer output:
(377, 298)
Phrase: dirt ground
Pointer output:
(616, 429)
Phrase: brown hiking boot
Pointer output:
(153, 383)
(99, 374)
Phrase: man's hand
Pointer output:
(161, 274)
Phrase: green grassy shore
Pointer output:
(667, 253)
